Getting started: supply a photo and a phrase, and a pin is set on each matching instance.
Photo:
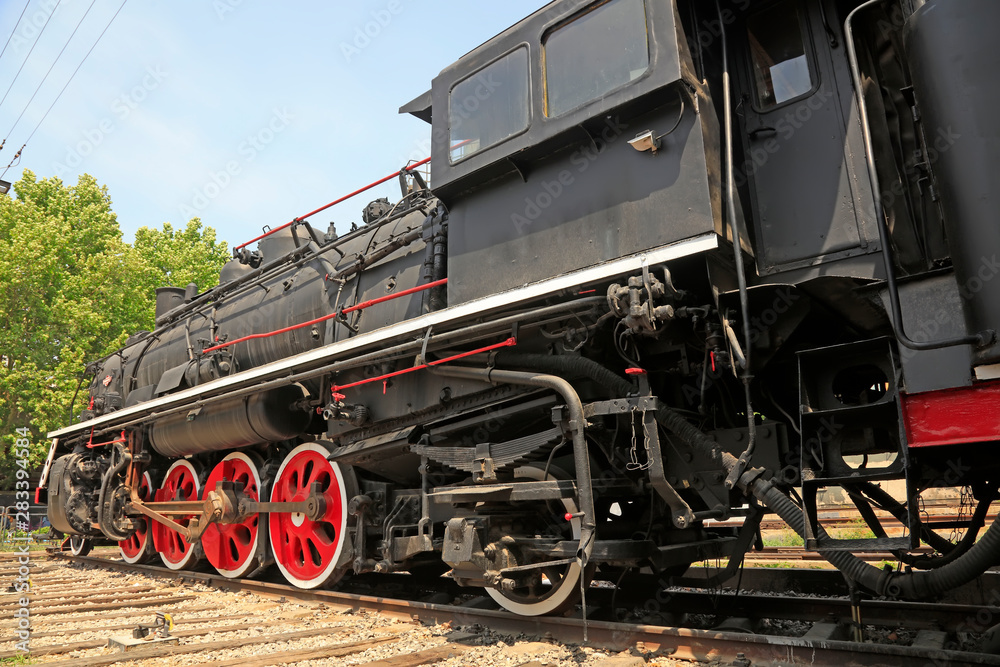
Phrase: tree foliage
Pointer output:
(71, 290)
(179, 257)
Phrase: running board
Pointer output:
(513, 492)
(451, 316)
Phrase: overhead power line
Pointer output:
(33, 45)
(78, 23)
(14, 29)
(66, 85)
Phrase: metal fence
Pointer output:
(12, 523)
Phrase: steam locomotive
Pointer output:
(678, 262)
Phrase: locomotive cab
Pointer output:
(531, 145)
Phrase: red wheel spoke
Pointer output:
(233, 548)
(139, 547)
(180, 483)
(307, 551)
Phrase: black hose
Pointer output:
(954, 551)
(950, 551)
(682, 428)
(439, 295)
(435, 264)
(72, 401)
(911, 585)
(964, 569)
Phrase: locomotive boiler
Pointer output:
(677, 262)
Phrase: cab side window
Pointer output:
(779, 55)
(489, 106)
(594, 54)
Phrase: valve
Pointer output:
(636, 302)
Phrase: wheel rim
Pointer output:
(79, 545)
(564, 581)
(138, 548)
(232, 548)
(180, 483)
(307, 552)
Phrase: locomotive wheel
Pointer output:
(232, 548)
(563, 588)
(80, 545)
(308, 552)
(139, 548)
(180, 483)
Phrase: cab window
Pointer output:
(781, 68)
(594, 54)
(489, 106)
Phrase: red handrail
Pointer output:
(336, 389)
(91, 444)
(344, 311)
(335, 202)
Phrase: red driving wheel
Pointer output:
(232, 548)
(139, 547)
(308, 552)
(180, 483)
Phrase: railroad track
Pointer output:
(72, 621)
(800, 554)
(839, 516)
(327, 620)
(983, 592)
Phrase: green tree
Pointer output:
(71, 291)
(176, 258)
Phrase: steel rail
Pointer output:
(678, 643)
(983, 592)
(884, 613)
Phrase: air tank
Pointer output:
(270, 416)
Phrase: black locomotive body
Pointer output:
(679, 262)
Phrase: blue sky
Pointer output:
(242, 112)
